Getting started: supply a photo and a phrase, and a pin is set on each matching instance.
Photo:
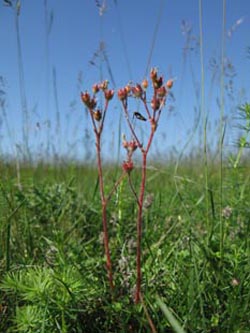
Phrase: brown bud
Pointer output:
(92, 103)
(157, 83)
(161, 92)
(97, 115)
(95, 88)
(122, 94)
(153, 74)
(132, 146)
(109, 94)
(104, 85)
(153, 125)
(155, 103)
(128, 166)
(128, 88)
(85, 98)
(125, 144)
(144, 84)
(137, 91)
(169, 84)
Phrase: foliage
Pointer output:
(56, 278)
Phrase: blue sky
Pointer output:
(130, 30)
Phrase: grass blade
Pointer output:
(170, 317)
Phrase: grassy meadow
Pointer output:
(195, 250)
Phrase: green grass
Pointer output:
(52, 267)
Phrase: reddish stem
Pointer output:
(124, 104)
(104, 212)
(139, 229)
(139, 217)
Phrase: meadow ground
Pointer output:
(195, 250)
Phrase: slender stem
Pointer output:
(204, 114)
(144, 100)
(222, 133)
(104, 114)
(150, 140)
(115, 187)
(139, 229)
(130, 125)
(139, 217)
(104, 212)
(133, 189)
(151, 324)
(23, 96)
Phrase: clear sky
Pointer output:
(60, 44)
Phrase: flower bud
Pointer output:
(153, 74)
(169, 84)
(132, 146)
(157, 83)
(153, 125)
(85, 98)
(97, 115)
(137, 91)
(155, 103)
(95, 88)
(144, 84)
(92, 103)
(122, 94)
(128, 88)
(125, 144)
(161, 92)
(109, 94)
(128, 166)
(104, 85)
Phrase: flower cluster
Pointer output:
(139, 90)
(130, 146)
(90, 101)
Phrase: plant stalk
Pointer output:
(139, 228)
(104, 213)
